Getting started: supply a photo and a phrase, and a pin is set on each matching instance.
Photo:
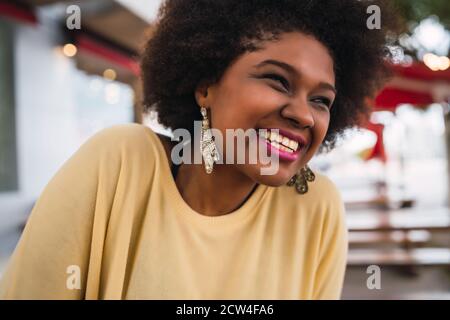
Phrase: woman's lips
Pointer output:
(283, 155)
(275, 147)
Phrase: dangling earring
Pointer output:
(208, 148)
(301, 179)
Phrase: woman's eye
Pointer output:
(279, 79)
(322, 101)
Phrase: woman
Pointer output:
(120, 220)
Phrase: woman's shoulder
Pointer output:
(129, 143)
(321, 208)
(126, 133)
(325, 189)
(129, 136)
(321, 190)
(323, 198)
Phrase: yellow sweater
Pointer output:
(111, 224)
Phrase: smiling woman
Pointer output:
(139, 226)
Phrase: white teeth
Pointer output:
(273, 136)
(281, 142)
(285, 149)
(293, 145)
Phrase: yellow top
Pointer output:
(111, 224)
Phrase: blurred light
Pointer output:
(431, 61)
(407, 61)
(382, 117)
(435, 118)
(109, 74)
(95, 85)
(146, 9)
(432, 35)
(445, 63)
(397, 54)
(112, 93)
(404, 40)
(357, 139)
(70, 50)
(435, 62)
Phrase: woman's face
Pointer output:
(286, 85)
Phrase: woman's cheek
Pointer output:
(321, 127)
(261, 98)
(318, 134)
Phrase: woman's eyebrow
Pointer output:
(280, 64)
(327, 86)
(290, 69)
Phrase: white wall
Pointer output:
(55, 113)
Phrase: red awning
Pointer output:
(16, 12)
(416, 84)
(420, 71)
(94, 47)
(389, 98)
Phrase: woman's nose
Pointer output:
(299, 113)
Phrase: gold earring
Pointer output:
(301, 179)
(208, 148)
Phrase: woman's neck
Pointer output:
(215, 194)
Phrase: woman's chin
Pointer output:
(272, 179)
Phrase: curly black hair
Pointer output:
(196, 40)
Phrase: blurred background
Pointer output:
(69, 69)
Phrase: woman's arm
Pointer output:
(51, 260)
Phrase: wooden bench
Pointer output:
(402, 220)
(399, 257)
(379, 203)
(408, 239)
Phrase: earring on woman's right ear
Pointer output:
(208, 147)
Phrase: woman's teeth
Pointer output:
(281, 142)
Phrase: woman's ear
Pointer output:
(202, 94)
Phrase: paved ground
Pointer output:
(429, 283)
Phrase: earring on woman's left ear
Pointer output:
(301, 179)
